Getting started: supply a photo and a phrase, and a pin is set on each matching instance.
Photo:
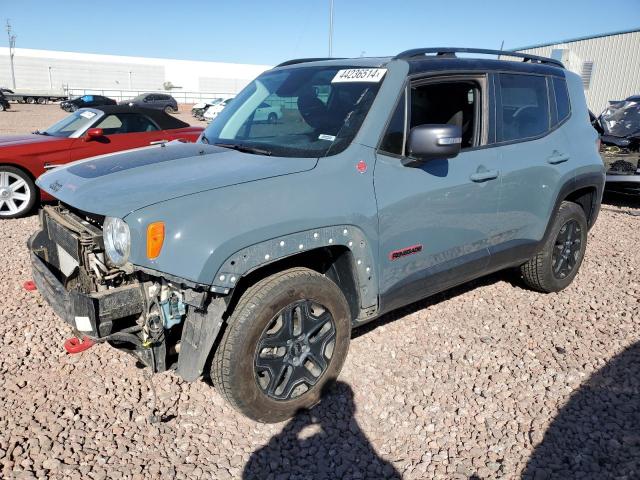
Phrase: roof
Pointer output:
(163, 120)
(577, 39)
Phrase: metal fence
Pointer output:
(119, 95)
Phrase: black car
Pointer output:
(86, 101)
(4, 103)
(158, 101)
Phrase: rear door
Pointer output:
(436, 218)
(534, 156)
(122, 131)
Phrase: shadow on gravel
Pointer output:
(511, 276)
(597, 434)
(619, 200)
(322, 443)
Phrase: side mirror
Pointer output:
(429, 141)
(93, 134)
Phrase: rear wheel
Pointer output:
(273, 118)
(42, 100)
(286, 339)
(30, 100)
(169, 109)
(17, 193)
(2, 109)
(555, 267)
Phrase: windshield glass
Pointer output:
(78, 121)
(298, 112)
(621, 119)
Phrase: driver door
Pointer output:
(438, 218)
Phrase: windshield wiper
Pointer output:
(38, 132)
(244, 148)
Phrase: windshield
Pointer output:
(78, 122)
(622, 119)
(298, 112)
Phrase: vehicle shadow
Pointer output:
(619, 200)
(596, 435)
(511, 276)
(325, 442)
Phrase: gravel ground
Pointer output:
(488, 380)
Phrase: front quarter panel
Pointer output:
(206, 231)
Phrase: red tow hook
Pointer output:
(29, 286)
(75, 345)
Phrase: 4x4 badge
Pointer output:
(403, 252)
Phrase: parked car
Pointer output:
(86, 101)
(158, 101)
(213, 110)
(85, 133)
(4, 103)
(249, 256)
(199, 108)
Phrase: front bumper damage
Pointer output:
(130, 314)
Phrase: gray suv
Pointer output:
(249, 256)
(157, 101)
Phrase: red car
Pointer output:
(85, 133)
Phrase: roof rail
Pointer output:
(451, 52)
(305, 60)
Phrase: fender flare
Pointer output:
(248, 259)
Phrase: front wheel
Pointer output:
(555, 267)
(169, 110)
(287, 338)
(273, 118)
(17, 193)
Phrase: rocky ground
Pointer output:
(488, 380)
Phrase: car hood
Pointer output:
(15, 140)
(120, 183)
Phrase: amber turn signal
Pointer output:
(155, 239)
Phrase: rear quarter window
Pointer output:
(563, 104)
(524, 107)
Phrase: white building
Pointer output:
(122, 76)
(608, 63)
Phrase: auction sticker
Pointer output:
(359, 75)
(88, 115)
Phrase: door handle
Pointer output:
(484, 176)
(557, 158)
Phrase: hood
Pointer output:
(120, 183)
(16, 140)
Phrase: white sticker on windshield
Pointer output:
(324, 136)
(88, 115)
(359, 75)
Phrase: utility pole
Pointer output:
(12, 47)
(330, 28)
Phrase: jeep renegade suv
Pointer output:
(250, 255)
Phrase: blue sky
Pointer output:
(269, 31)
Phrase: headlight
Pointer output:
(117, 240)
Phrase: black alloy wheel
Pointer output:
(567, 249)
(294, 350)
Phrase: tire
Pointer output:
(168, 110)
(30, 100)
(273, 118)
(236, 369)
(2, 109)
(18, 193)
(557, 264)
(41, 100)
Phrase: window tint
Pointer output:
(451, 103)
(126, 123)
(525, 107)
(393, 139)
(562, 98)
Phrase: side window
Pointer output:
(393, 139)
(454, 103)
(126, 123)
(525, 107)
(563, 105)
